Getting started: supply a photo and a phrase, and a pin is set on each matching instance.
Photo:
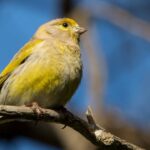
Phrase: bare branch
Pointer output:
(123, 19)
(95, 134)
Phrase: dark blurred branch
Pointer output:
(89, 130)
(67, 6)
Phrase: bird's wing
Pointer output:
(18, 59)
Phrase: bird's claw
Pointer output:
(36, 108)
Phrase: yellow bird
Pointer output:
(47, 70)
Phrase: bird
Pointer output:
(47, 70)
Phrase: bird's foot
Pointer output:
(36, 108)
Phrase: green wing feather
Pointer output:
(18, 59)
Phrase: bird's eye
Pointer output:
(65, 24)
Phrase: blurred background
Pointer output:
(116, 78)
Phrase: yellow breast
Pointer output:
(49, 76)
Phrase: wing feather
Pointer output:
(18, 59)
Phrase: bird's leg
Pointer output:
(36, 108)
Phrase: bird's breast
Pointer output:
(49, 76)
(62, 71)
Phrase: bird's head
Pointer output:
(64, 29)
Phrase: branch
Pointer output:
(90, 130)
(117, 16)
(124, 19)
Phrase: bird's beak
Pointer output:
(80, 30)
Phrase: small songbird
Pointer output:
(47, 70)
